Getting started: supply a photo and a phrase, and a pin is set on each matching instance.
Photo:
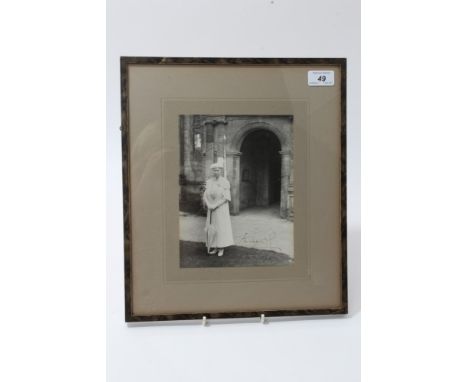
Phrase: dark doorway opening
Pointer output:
(260, 170)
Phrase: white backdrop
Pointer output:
(316, 349)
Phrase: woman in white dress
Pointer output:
(217, 197)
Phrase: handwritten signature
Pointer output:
(264, 242)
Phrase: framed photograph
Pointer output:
(234, 187)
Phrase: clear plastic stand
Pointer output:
(205, 321)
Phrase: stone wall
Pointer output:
(205, 139)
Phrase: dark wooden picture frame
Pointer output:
(125, 63)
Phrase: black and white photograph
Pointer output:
(236, 190)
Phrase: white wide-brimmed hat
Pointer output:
(216, 165)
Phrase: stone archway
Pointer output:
(233, 158)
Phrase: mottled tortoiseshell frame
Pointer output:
(124, 64)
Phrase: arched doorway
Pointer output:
(276, 132)
(260, 170)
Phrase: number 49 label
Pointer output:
(321, 77)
